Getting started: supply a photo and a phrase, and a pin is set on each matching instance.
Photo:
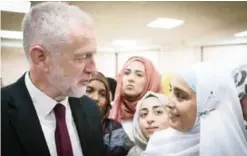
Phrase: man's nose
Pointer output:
(91, 67)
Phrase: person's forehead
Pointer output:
(97, 84)
(150, 102)
(136, 65)
(83, 30)
(83, 34)
(179, 82)
(83, 45)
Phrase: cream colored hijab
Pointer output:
(140, 139)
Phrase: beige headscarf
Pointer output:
(140, 140)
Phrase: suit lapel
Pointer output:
(24, 119)
(81, 123)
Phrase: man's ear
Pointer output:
(39, 57)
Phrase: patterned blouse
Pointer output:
(116, 140)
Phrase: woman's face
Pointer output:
(134, 79)
(153, 116)
(96, 90)
(181, 105)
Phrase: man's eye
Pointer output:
(85, 56)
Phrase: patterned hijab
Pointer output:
(124, 107)
(240, 79)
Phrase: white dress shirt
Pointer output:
(44, 107)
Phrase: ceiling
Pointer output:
(204, 22)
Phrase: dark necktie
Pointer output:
(63, 142)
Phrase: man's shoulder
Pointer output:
(86, 103)
(13, 88)
(7, 91)
(7, 98)
(87, 99)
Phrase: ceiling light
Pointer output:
(15, 6)
(241, 34)
(165, 23)
(11, 34)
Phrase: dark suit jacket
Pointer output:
(21, 132)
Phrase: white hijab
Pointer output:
(140, 139)
(219, 128)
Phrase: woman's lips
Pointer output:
(152, 129)
(129, 86)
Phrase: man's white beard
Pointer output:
(77, 92)
(63, 84)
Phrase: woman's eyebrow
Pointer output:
(155, 107)
(143, 109)
(180, 90)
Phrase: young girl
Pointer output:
(150, 116)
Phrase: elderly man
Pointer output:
(38, 118)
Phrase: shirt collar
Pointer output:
(42, 102)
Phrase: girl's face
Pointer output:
(153, 116)
(134, 79)
(96, 90)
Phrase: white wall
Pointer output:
(14, 64)
(106, 63)
(229, 56)
(179, 59)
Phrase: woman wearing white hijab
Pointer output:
(150, 116)
(204, 114)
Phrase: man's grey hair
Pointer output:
(50, 25)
